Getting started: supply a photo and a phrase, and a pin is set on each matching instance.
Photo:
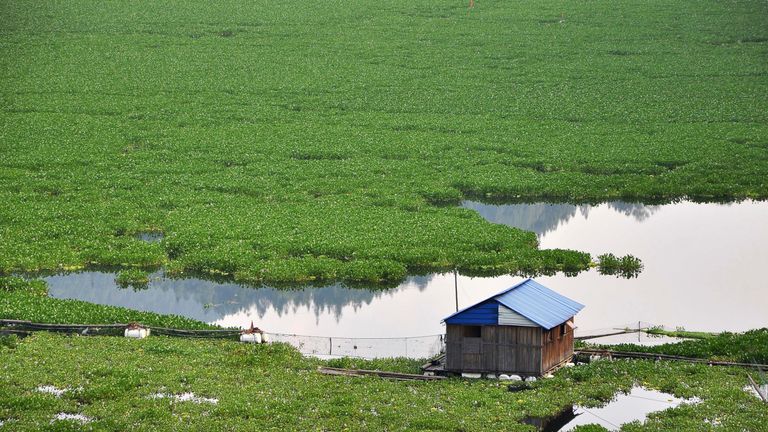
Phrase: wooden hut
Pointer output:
(525, 330)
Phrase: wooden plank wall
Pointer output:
(453, 347)
(557, 348)
(499, 349)
(519, 350)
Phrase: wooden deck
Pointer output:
(382, 374)
(436, 366)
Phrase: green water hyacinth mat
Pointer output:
(53, 382)
(308, 140)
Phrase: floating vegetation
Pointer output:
(118, 377)
(747, 347)
(323, 147)
(132, 278)
(627, 266)
(11, 284)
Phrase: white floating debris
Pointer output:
(471, 375)
(250, 337)
(515, 378)
(504, 377)
(570, 364)
(73, 417)
(51, 390)
(136, 333)
(491, 376)
(530, 379)
(185, 397)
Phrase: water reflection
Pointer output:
(227, 303)
(703, 271)
(542, 218)
(624, 408)
(150, 236)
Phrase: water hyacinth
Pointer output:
(334, 143)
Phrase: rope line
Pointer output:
(601, 418)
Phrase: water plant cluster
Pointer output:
(303, 140)
(747, 347)
(28, 300)
(627, 266)
(133, 278)
(114, 383)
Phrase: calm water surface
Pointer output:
(624, 408)
(704, 270)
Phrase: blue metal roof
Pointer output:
(485, 313)
(533, 301)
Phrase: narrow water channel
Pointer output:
(634, 405)
(704, 270)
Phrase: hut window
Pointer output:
(562, 330)
(472, 331)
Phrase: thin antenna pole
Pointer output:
(456, 287)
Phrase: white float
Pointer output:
(250, 337)
(136, 333)
(471, 375)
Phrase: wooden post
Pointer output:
(456, 288)
(763, 396)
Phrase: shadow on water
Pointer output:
(624, 408)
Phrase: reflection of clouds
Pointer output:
(210, 301)
(543, 218)
(540, 218)
(638, 211)
(420, 282)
